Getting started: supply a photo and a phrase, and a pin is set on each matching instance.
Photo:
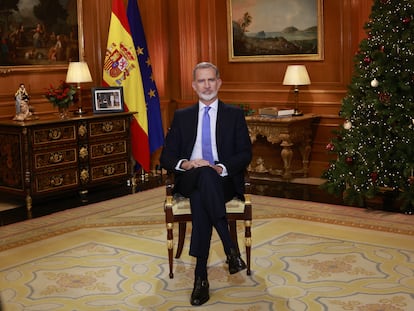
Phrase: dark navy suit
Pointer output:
(209, 193)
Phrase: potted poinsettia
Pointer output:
(62, 97)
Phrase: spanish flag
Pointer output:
(121, 68)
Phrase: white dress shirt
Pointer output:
(197, 150)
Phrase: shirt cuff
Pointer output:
(178, 166)
(224, 171)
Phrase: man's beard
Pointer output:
(207, 97)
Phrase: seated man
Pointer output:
(208, 147)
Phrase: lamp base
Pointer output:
(297, 113)
(79, 112)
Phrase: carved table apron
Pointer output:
(288, 132)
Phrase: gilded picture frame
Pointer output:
(275, 30)
(35, 39)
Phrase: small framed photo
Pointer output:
(107, 99)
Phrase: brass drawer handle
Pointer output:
(108, 148)
(56, 181)
(109, 170)
(107, 127)
(55, 134)
(56, 157)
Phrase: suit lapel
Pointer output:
(219, 125)
(193, 123)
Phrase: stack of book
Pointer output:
(276, 112)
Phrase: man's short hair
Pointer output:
(205, 65)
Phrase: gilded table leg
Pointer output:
(28, 202)
(83, 195)
(133, 183)
(305, 151)
(287, 155)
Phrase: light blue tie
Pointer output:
(206, 137)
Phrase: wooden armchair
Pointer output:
(177, 209)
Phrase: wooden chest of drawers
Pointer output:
(50, 156)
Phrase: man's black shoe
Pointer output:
(235, 262)
(200, 293)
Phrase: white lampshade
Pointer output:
(78, 72)
(296, 75)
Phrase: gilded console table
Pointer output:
(289, 132)
(50, 156)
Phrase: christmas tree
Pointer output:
(374, 147)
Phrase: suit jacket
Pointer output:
(232, 137)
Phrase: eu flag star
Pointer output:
(151, 93)
(140, 51)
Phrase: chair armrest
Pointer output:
(247, 184)
(169, 183)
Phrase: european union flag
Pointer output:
(152, 100)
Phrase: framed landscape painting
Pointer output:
(40, 33)
(275, 30)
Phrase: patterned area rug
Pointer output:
(305, 256)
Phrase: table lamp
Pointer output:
(78, 72)
(296, 75)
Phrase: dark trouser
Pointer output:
(208, 193)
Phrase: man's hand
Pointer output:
(218, 169)
(188, 165)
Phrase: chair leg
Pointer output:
(170, 246)
(233, 233)
(248, 242)
(182, 227)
